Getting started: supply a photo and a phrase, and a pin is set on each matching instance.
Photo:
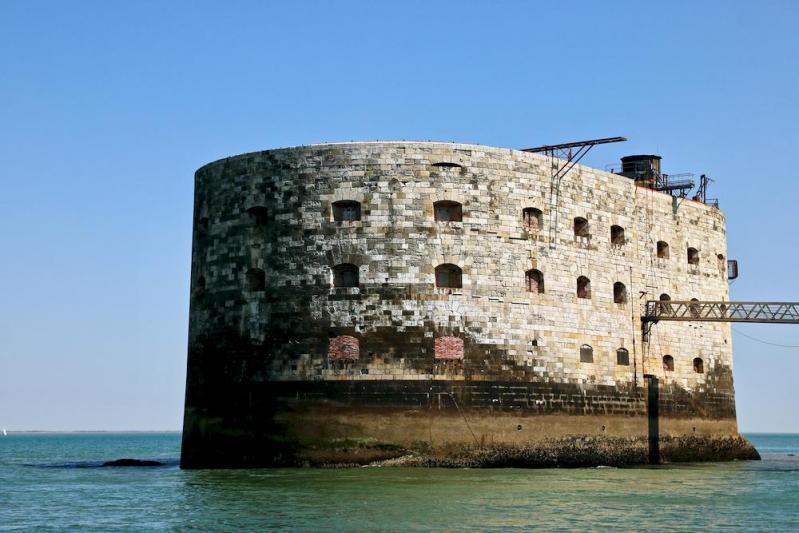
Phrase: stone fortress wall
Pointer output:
(314, 277)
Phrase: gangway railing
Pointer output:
(768, 312)
(696, 311)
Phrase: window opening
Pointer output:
(448, 348)
(202, 225)
(617, 236)
(581, 228)
(694, 308)
(534, 281)
(345, 275)
(622, 357)
(343, 348)
(448, 211)
(583, 287)
(699, 365)
(586, 354)
(449, 276)
(693, 256)
(346, 211)
(256, 279)
(619, 293)
(532, 218)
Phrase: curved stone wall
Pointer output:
(316, 298)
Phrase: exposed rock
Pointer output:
(691, 448)
(567, 452)
(132, 462)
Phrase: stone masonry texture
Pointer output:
(284, 366)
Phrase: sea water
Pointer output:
(56, 482)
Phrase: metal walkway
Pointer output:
(695, 311)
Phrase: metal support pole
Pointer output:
(653, 416)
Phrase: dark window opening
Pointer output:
(346, 211)
(345, 275)
(619, 293)
(665, 307)
(694, 308)
(448, 211)
(622, 357)
(586, 354)
(617, 236)
(663, 250)
(534, 343)
(699, 365)
(583, 287)
(447, 164)
(668, 363)
(534, 281)
(532, 218)
(449, 276)
(581, 228)
(202, 225)
(259, 215)
(256, 279)
(693, 256)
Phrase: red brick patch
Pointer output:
(343, 348)
(449, 348)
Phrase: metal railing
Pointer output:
(696, 311)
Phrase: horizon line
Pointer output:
(65, 431)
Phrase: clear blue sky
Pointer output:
(107, 108)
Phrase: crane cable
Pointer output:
(765, 342)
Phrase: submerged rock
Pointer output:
(132, 462)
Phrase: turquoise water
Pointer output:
(53, 482)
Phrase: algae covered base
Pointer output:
(292, 430)
(566, 452)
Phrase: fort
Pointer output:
(429, 303)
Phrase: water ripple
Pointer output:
(55, 482)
